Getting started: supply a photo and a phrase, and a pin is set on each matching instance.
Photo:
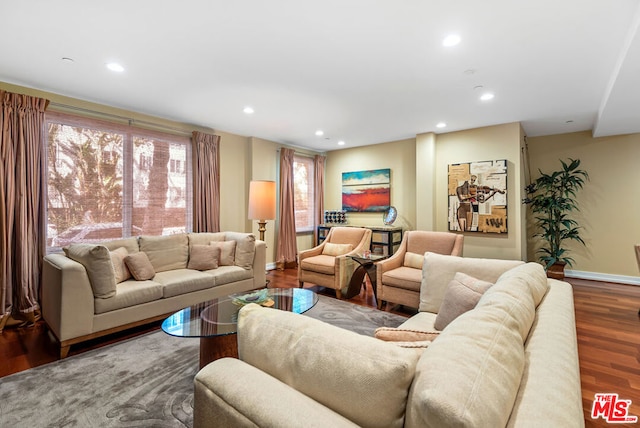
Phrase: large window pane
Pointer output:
(303, 176)
(105, 182)
(159, 186)
(85, 174)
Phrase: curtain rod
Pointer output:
(302, 154)
(129, 120)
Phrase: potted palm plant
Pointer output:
(552, 201)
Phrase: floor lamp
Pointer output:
(262, 203)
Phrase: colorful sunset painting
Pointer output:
(366, 191)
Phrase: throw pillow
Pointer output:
(203, 257)
(391, 334)
(413, 260)
(245, 248)
(227, 252)
(462, 295)
(140, 266)
(120, 268)
(97, 262)
(336, 250)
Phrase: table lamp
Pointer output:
(262, 203)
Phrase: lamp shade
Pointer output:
(262, 200)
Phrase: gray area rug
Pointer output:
(142, 382)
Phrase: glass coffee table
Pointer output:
(215, 321)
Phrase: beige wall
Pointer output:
(489, 143)
(418, 180)
(399, 156)
(609, 203)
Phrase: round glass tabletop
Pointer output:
(218, 317)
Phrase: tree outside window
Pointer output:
(110, 181)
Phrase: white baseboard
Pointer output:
(272, 266)
(595, 276)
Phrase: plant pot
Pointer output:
(556, 270)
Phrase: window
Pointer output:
(108, 181)
(304, 193)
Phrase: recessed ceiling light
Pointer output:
(487, 96)
(451, 40)
(319, 132)
(248, 110)
(341, 143)
(441, 125)
(114, 66)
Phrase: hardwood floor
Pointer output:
(607, 324)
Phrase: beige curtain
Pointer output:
(287, 249)
(206, 178)
(318, 163)
(22, 206)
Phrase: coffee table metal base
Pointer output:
(216, 347)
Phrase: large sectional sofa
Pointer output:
(510, 360)
(89, 291)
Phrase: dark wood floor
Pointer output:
(607, 324)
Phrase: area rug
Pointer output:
(146, 381)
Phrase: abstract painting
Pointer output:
(478, 197)
(366, 191)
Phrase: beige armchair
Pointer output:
(327, 264)
(399, 277)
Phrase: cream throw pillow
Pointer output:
(462, 295)
(227, 252)
(140, 266)
(203, 257)
(336, 250)
(245, 248)
(97, 262)
(413, 260)
(438, 270)
(120, 268)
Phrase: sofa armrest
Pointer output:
(230, 392)
(551, 378)
(67, 297)
(260, 264)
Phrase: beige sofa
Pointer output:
(509, 361)
(87, 292)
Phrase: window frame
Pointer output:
(129, 133)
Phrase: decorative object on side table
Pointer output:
(552, 199)
(390, 216)
(260, 297)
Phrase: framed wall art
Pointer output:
(478, 196)
(366, 191)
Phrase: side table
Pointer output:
(367, 267)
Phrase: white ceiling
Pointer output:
(363, 71)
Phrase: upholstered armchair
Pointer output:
(327, 264)
(399, 277)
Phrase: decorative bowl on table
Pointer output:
(260, 297)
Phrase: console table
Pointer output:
(385, 240)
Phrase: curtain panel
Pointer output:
(318, 169)
(22, 206)
(206, 179)
(287, 250)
